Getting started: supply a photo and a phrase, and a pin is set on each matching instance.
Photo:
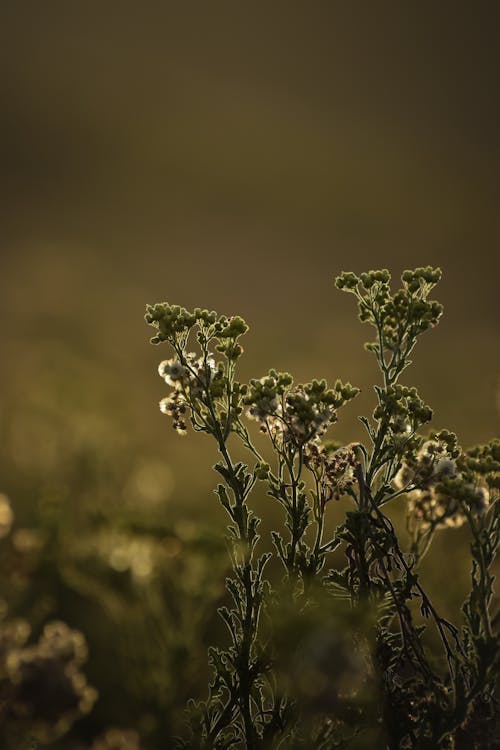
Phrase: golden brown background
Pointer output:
(234, 156)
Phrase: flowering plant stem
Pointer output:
(280, 682)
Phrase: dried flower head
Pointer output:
(333, 470)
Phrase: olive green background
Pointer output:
(238, 157)
(235, 156)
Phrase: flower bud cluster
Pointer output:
(485, 461)
(197, 380)
(230, 331)
(440, 490)
(265, 396)
(435, 461)
(171, 321)
(49, 690)
(307, 415)
(399, 318)
(333, 470)
(191, 379)
(445, 503)
(472, 494)
(415, 279)
(372, 281)
(296, 413)
(406, 410)
(174, 323)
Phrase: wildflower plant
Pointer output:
(326, 655)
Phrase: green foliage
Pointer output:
(319, 654)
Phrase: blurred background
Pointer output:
(235, 158)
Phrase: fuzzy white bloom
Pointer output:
(166, 405)
(263, 409)
(403, 477)
(445, 468)
(172, 371)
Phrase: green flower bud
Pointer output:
(262, 470)
(347, 280)
(367, 280)
(383, 275)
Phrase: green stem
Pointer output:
(245, 574)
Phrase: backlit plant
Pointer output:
(327, 650)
